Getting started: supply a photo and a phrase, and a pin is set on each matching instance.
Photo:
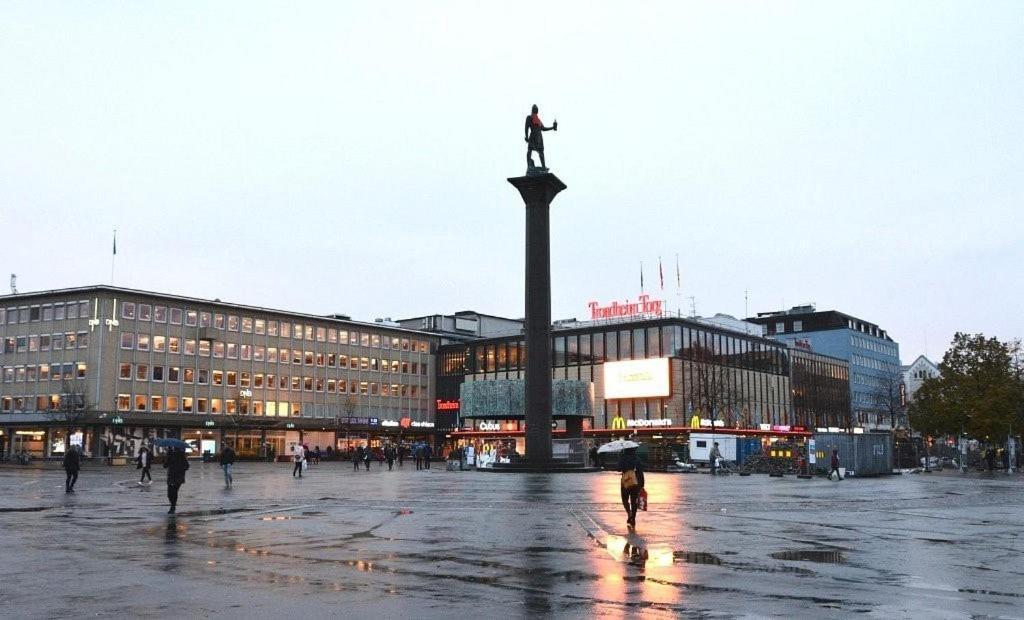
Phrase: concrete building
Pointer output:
(463, 326)
(107, 367)
(915, 374)
(872, 355)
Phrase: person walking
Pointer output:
(389, 456)
(427, 451)
(357, 458)
(417, 455)
(176, 465)
(316, 455)
(715, 458)
(367, 456)
(144, 462)
(834, 465)
(227, 460)
(72, 463)
(299, 457)
(632, 483)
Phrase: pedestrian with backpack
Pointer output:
(632, 483)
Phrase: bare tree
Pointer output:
(887, 395)
(716, 388)
(72, 406)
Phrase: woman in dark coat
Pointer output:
(144, 462)
(72, 463)
(629, 461)
(176, 465)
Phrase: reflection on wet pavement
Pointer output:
(428, 544)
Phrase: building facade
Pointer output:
(872, 355)
(107, 367)
(916, 373)
(652, 374)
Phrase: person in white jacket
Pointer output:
(298, 457)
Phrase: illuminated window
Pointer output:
(364, 363)
(232, 323)
(296, 383)
(190, 347)
(375, 341)
(142, 343)
(201, 405)
(125, 371)
(309, 332)
(140, 403)
(218, 349)
(159, 344)
(160, 314)
(174, 344)
(258, 354)
(307, 384)
(364, 339)
(283, 356)
(186, 404)
(321, 334)
(247, 324)
(332, 335)
(189, 376)
(204, 348)
(342, 386)
(218, 321)
(230, 407)
(232, 378)
(156, 403)
(123, 402)
(244, 380)
(216, 405)
(364, 387)
(286, 330)
(260, 326)
(172, 403)
(353, 338)
(257, 380)
(232, 351)
(246, 352)
(342, 336)
(271, 328)
(191, 318)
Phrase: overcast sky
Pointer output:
(352, 157)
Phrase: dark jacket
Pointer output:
(72, 461)
(628, 459)
(148, 456)
(176, 465)
(227, 456)
(834, 461)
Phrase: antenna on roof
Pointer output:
(14, 284)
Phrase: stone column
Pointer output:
(537, 191)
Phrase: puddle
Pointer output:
(810, 555)
(214, 512)
(697, 557)
(279, 518)
(32, 509)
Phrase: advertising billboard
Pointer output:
(637, 378)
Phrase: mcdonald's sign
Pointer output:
(618, 423)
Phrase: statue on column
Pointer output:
(535, 141)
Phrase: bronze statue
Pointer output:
(534, 139)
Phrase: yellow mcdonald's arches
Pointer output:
(695, 421)
(618, 423)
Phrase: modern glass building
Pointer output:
(116, 366)
(648, 374)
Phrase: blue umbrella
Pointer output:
(172, 443)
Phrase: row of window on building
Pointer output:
(876, 364)
(231, 378)
(259, 327)
(45, 342)
(870, 344)
(44, 312)
(246, 352)
(41, 402)
(43, 372)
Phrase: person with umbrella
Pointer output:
(632, 482)
(176, 465)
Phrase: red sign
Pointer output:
(447, 405)
(643, 305)
(405, 422)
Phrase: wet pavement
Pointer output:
(436, 543)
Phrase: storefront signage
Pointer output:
(618, 423)
(290, 425)
(246, 393)
(423, 425)
(643, 305)
(373, 421)
(389, 423)
(649, 423)
(209, 424)
(637, 378)
(779, 428)
(706, 423)
(489, 426)
(447, 405)
(117, 420)
(812, 455)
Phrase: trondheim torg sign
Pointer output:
(644, 305)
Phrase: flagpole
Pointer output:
(113, 256)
